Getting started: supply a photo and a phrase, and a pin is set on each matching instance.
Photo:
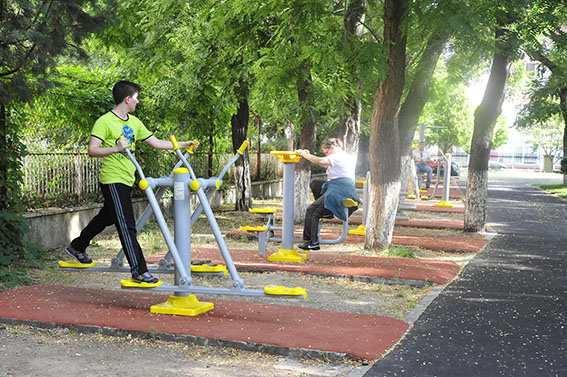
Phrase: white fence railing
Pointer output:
(58, 175)
(49, 177)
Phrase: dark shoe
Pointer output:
(310, 246)
(146, 277)
(81, 257)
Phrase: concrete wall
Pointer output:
(55, 228)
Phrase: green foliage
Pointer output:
(63, 116)
(11, 152)
(16, 254)
(501, 133)
(448, 114)
(547, 136)
(34, 33)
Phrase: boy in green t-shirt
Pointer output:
(111, 134)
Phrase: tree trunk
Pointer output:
(239, 124)
(348, 129)
(563, 107)
(485, 118)
(210, 155)
(415, 101)
(384, 138)
(408, 180)
(258, 147)
(289, 132)
(3, 160)
(306, 141)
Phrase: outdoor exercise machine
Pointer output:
(183, 181)
(444, 202)
(287, 253)
(446, 159)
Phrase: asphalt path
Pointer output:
(506, 314)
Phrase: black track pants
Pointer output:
(117, 210)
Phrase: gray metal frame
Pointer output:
(180, 248)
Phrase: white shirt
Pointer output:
(343, 165)
(421, 155)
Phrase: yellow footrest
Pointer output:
(182, 305)
(71, 263)
(284, 291)
(262, 210)
(254, 228)
(287, 255)
(349, 203)
(360, 231)
(134, 284)
(207, 268)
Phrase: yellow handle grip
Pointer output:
(174, 142)
(243, 147)
(192, 147)
(122, 137)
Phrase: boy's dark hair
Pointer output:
(123, 89)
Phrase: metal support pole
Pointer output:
(446, 183)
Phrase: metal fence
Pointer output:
(60, 178)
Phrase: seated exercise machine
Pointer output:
(287, 253)
(183, 181)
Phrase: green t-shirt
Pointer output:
(117, 167)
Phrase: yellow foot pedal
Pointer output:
(287, 255)
(262, 210)
(360, 231)
(182, 305)
(283, 291)
(209, 269)
(254, 228)
(134, 284)
(71, 263)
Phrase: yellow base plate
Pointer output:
(287, 255)
(444, 204)
(411, 196)
(182, 305)
(133, 284)
(284, 291)
(71, 263)
(360, 231)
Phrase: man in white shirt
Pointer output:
(421, 158)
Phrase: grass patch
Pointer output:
(557, 190)
(399, 251)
